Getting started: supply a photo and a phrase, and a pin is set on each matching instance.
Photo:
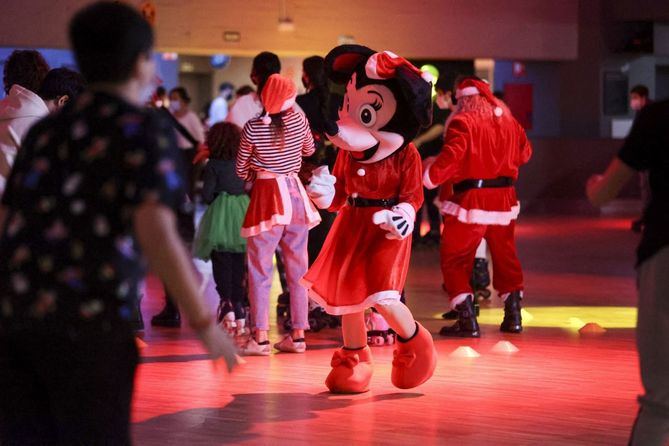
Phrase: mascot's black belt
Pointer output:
(480, 184)
(368, 202)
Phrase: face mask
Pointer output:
(175, 106)
(635, 104)
(443, 102)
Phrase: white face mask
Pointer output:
(443, 102)
(175, 106)
(635, 104)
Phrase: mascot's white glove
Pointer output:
(321, 188)
(398, 221)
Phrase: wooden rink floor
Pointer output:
(560, 388)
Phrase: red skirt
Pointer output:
(358, 266)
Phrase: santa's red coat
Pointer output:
(478, 146)
(358, 266)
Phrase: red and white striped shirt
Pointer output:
(263, 148)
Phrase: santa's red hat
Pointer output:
(277, 95)
(471, 86)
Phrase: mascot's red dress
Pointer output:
(376, 190)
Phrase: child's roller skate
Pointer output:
(378, 331)
(480, 280)
(318, 318)
(226, 316)
(241, 314)
(283, 306)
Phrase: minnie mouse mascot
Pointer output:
(376, 190)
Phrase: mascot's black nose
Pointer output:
(331, 127)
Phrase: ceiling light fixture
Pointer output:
(286, 24)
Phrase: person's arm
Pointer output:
(156, 232)
(525, 148)
(430, 134)
(603, 188)
(308, 146)
(209, 183)
(197, 129)
(634, 156)
(452, 153)
(243, 163)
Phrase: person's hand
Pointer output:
(219, 344)
(591, 186)
(321, 188)
(398, 221)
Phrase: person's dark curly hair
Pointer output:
(223, 141)
(26, 68)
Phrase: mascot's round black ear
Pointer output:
(342, 61)
(418, 94)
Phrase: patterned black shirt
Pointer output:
(67, 250)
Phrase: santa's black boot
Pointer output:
(466, 325)
(513, 321)
(453, 314)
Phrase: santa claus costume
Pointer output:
(484, 146)
(376, 188)
(280, 213)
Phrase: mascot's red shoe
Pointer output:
(351, 371)
(414, 360)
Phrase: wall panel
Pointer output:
(454, 29)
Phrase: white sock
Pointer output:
(482, 250)
(505, 295)
(457, 300)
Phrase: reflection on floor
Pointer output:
(561, 387)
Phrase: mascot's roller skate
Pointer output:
(376, 189)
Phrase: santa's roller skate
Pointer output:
(351, 370)
(414, 359)
(379, 332)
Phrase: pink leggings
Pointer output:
(292, 239)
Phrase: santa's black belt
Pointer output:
(480, 184)
(360, 202)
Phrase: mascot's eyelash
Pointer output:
(376, 105)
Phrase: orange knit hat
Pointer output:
(277, 95)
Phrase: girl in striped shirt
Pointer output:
(280, 213)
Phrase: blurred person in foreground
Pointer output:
(93, 188)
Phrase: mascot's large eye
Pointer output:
(367, 115)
